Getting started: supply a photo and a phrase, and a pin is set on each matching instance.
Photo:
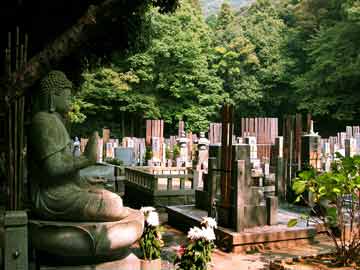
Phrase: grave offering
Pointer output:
(74, 219)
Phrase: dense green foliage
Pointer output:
(329, 84)
(270, 58)
(170, 79)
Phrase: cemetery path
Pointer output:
(257, 260)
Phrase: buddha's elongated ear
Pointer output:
(51, 103)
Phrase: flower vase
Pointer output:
(150, 264)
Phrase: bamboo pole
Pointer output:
(9, 54)
(16, 155)
(21, 63)
(26, 48)
(21, 131)
(17, 48)
(10, 157)
(6, 65)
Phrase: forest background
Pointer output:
(268, 58)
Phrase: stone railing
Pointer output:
(161, 182)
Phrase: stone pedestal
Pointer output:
(84, 243)
(131, 262)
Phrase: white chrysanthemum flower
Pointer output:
(147, 209)
(195, 233)
(208, 234)
(209, 222)
(153, 219)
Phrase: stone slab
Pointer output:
(183, 217)
(202, 199)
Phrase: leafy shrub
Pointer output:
(114, 161)
(334, 199)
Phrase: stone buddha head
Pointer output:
(54, 93)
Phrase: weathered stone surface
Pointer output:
(277, 236)
(15, 240)
(85, 242)
(131, 262)
(272, 206)
(58, 192)
(77, 221)
(202, 200)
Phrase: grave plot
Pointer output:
(239, 192)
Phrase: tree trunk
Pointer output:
(64, 45)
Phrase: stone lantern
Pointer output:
(182, 142)
(203, 142)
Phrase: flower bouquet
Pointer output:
(150, 241)
(197, 254)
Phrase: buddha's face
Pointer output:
(62, 100)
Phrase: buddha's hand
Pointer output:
(92, 147)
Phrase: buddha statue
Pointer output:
(74, 219)
(58, 191)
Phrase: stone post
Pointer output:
(271, 210)
(240, 189)
(280, 185)
(212, 187)
(15, 241)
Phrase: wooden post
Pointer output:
(226, 154)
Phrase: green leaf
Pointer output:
(331, 215)
(292, 222)
(299, 186)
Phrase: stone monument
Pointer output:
(182, 142)
(76, 150)
(74, 220)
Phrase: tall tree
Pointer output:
(171, 79)
(329, 85)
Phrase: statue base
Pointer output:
(84, 243)
(131, 262)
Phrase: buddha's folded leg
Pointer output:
(74, 203)
(104, 205)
